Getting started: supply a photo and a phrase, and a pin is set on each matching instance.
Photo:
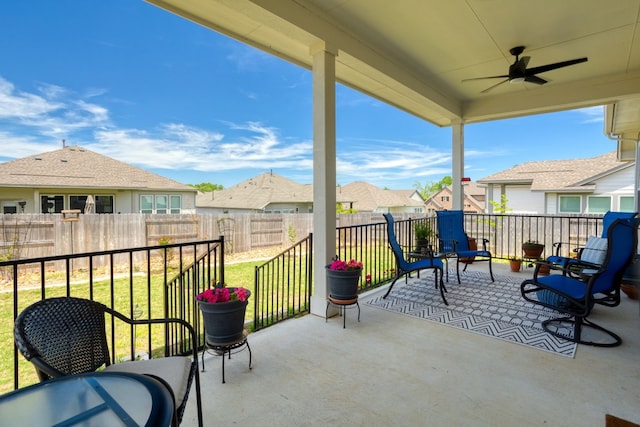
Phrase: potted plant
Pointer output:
(223, 311)
(515, 263)
(343, 278)
(422, 232)
(544, 268)
(532, 249)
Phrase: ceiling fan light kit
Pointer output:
(519, 73)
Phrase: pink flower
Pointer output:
(223, 295)
(338, 264)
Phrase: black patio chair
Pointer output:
(575, 296)
(404, 267)
(66, 336)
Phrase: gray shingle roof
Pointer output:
(559, 175)
(257, 193)
(369, 197)
(77, 167)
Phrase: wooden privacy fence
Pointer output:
(38, 235)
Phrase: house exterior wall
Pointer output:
(124, 201)
(617, 186)
(289, 208)
(521, 200)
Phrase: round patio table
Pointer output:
(89, 399)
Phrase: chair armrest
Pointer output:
(181, 322)
(44, 370)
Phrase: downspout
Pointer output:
(609, 112)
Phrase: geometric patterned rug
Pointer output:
(495, 309)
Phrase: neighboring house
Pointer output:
(474, 197)
(369, 198)
(272, 193)
(594, 185)
(264, 193)
(66, 179)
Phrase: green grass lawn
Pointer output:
(142, 289)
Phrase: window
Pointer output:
(627, 204)
(444, 198)
(160, 204)
(176, 204)
(9, 208)
(570, 204)
(598, 204)
(104, 204)
(146, 204)
(52, 204)
(77, 202)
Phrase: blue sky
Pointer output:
(138, 84)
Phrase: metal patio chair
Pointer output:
(575, 296)
(404, 267)
(607, 220)
(66, 336)
(454, 240)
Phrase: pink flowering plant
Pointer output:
(223, 295)
(350, 265)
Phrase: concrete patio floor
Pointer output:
(391, 369)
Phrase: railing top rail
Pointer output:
(102, 253)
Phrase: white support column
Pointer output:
(457, 165)
(324, 170)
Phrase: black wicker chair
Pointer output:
(66, 336)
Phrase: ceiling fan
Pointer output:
(518, 71)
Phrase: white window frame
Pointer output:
(569, 196)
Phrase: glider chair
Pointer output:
(404, 267)
(575, 297)
(66, 336)
(454, 240)
(593, 243)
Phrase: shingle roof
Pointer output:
(77, 167)
(559, 175)
(257, 193)
(368, 197)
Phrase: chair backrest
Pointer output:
(66, 334)
(611, 216)
(622, 238)
(451, 233)
(393, 241)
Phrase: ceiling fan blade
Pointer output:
(525, 61)
(485, 78)
(549, 67)
(497, 84)
(535, 79)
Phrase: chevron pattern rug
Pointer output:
(494, 309)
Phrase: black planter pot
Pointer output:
(343, 284)
(223, 321)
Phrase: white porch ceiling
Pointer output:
(413, 54)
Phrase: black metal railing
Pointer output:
(507, 233)
(142, 283)
(282, 285)
(162, 281)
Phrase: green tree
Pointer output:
(206, 187)
(430, 188)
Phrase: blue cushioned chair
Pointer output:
(404, 267)
(576, 296)
(453, 239)
(607, 220)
